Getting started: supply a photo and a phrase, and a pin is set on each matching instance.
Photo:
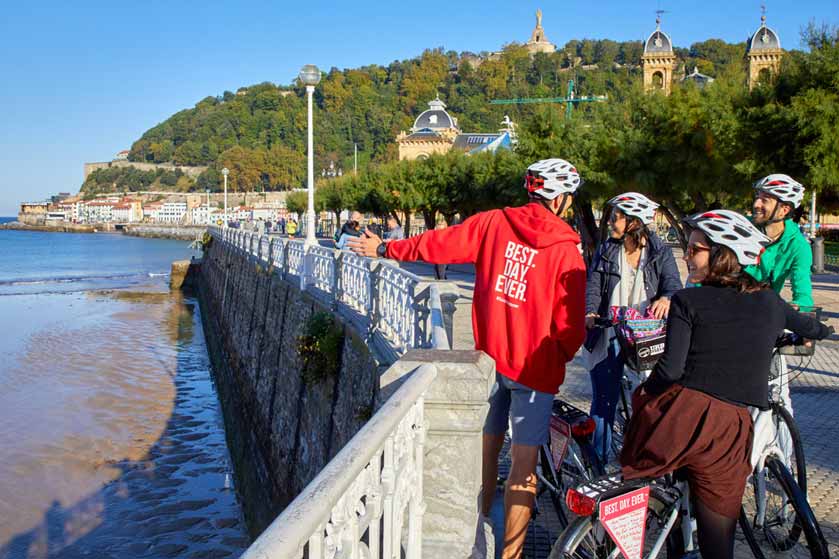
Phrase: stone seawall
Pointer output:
(281, 429)
(179, 232)
(59, 227)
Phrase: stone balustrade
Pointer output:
(394, 308)
(407, 484)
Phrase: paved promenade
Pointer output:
(815, 394)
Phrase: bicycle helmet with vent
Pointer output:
(732, 230)
(550, 178)
(783, 187)
(634, 204)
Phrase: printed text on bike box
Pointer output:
(625, 519)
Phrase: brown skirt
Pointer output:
(706, 438)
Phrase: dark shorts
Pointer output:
(528, 410)
(683, 429)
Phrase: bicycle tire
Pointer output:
(783, 420)
(782, 415)
(572, 539)
(550, 479)
(803, 520)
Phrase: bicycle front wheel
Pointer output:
(777, 524)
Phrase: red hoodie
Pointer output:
(529, 303)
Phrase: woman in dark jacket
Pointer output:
(633, 268)
(691, 415)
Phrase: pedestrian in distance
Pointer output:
(527, 314)
(353, 230)
(347, 228)
(441, 269)
(394, 230)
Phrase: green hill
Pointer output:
(259, 132)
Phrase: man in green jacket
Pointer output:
(789, 256)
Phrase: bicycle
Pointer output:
(567, 459)
(772, 516)
(642, 344)
(667, 500)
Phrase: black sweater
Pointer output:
(720, 341)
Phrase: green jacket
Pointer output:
(788, 257)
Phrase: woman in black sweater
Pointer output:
(691, 415)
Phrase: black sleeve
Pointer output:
(594, 282)
(803, 325)
(671, 366)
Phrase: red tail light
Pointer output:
(583, 428)
(580, 504)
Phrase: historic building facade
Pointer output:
(764, 54)
(436, 131)
(658, 61)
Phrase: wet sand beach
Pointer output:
(112, 435)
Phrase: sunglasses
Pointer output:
(693, 249)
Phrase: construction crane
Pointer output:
(570, 100)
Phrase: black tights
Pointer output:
(715, 531)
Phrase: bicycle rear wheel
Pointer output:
(576, 469)
(585, 538)
(786, 515)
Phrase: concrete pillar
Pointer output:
(455, 410)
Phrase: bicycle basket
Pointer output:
(642, 342)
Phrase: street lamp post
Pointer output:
(225, 172)
(310, 77)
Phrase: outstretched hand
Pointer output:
(366, 244)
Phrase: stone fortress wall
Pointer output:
(191, 172)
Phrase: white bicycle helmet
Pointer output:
(550, 178)
(731, 229)
(783, 187)
(634, 204)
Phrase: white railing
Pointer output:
(394, 309)
(369, 497)
(295, 255)
(367, 503)
(321, 273)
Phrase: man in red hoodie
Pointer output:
(527, 314)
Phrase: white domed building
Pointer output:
(658, 60)
(764, 54)
(436, 131)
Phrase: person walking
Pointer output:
(441, 269)
(632, 268)
(527, 314)
(394, 230)
(692, 414)
(353, 230)
(291, 228)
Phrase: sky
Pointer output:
(82, 80)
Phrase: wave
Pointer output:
(68, 279)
